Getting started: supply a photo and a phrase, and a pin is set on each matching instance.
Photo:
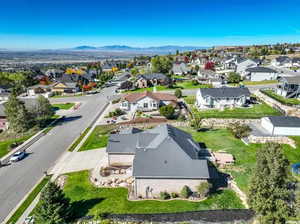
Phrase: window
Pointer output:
(145, 105)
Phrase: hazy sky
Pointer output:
(69, 23)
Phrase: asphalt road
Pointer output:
(17, 179)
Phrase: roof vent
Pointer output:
(165, 162)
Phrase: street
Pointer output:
(17, 179)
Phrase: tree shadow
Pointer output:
(67, 119)
(80, 209)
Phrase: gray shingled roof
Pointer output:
(285, 121)
(292, 80)
(261, 69)
(225, 92)
(161, 152)
(130, 130)
(153, 76)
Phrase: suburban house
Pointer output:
(146, 101)
(45, 90)
(148, 80)
(62, 87)
(180, 69)
(296, 62)
(245, 64)
(281, 125)
(164, 158)
(289, 87)
(3, 121)
(222, 97)
(260, 74)
(282, 61)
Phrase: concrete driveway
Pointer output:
(77, 161)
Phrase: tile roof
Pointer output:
(134, 97)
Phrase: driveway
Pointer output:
(19, 178)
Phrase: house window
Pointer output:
(145, 105)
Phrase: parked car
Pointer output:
(17, 156)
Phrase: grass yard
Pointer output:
(252, 83)
(254, 112)
(89, 200)
(63, 106)
(98, 138)
(190, 99)
(281, 99)
(245, 155)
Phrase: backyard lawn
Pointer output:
(98, 138)
(89, 200)
(190, 99)
(281, 99)
(250, 83)
(63, 106)
(245, 155)
(254, 112)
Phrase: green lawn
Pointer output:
(5, 145)
(179, 85)
(253, 112)
(89, 200)
(190, 100)
(281, 99)
(97, 139)
(245, 155)
(18, 213)
(63, 106)
(251, 83)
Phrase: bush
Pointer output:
(186, 192)
(234, 77)
(196, 122)
(203, 189)
(178, 93)
(174, 195)
(116, 113)
(195, 82)
(167, 111)
(181, 117)
(116, 101)
(164, 195)
(239, 130)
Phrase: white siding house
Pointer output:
(243, 65)
(281, 125)
(261, 74)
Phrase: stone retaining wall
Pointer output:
(224, 123)
(275, 139)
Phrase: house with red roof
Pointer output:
(147, 101)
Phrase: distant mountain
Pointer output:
(124, 48)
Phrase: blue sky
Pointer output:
(67, 23)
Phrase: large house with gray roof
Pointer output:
(260, 74)
(153, 79)
(222, 97)
(164, 158)
(281, 125)
(289, 87)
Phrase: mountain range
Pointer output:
(124, 48)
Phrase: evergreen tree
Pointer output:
(268, 194)
(44, 110)
(17, 115)
(53, 207)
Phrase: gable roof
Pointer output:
(180, 68)
(261, 69)
(285, 121)
(225, 92)
(134, 97)
(291, 80)
(161, 152)
(153, 76)
(283, 59)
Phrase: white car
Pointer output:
(17, 156)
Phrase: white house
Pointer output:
(180, 69)
(261, 74)
(222, 97)
(282, 61)
(281, 125)
(245, 64)
(146, 101)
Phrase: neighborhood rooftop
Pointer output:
(225, 92)
(292, 80)
(285, 121)
(133, 97)
(261, 69)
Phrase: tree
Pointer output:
(297, 203)
(203, 189)
(134, 71)
(239, 130)
(268, 194)
(161, 64)
(196, 122)
(167, 111)
(209, 65)
(178, 93)
(54, 207)
(234, 77)
(185, 192)
(17, 115)
(44, 110)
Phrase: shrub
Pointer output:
(178, 93)
(196, 122)
(164, 195)
(116, 101)
(116, 113)
(234, 77)
(167, 111)
(186, 192)
(203, 189)
(239, 130)
(174, 195)
(181, 117)
(195, 82)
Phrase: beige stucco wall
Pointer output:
(123, 159)
(156, 186)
